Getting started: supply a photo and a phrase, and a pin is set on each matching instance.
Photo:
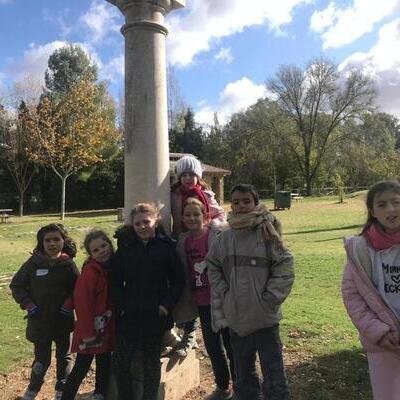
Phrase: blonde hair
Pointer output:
(195, 202)
(150, 208)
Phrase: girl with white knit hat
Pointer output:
(190, 185)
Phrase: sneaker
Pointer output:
(186, 344)
(28, 395)
(58, 394)
(97, 396)
(170, 339)
(219, 394)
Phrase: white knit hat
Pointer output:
(188, 164)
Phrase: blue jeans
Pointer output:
(267, 343)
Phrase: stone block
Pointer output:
(178, 376)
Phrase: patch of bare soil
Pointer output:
(14, 384)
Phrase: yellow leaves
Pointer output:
(71, 131)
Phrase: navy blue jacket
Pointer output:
(145, 276)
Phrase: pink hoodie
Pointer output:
(366, 308)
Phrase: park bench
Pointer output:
(4, 216)
(295, 195)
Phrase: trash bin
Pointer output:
(283, 200)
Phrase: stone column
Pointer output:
(146, 120)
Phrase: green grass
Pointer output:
(323, 355)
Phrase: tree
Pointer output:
(67, 66)
(70, 133)
(189, 139)
(317, 100)
(176, 103)
(17, 144)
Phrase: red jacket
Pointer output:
(94, 311)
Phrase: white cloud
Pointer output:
(340, 26)
(225, 54)
(382, 63)
(35, 60)
(114, 69)
(235, 97)
(100, 20)
(206, 21)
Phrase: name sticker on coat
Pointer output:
(253, 261)
(42, 272)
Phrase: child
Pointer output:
(251, 274)
(149, 280)
(371, 287)
(192, 248)
(43, 286)
(191, 184)
(94, 328)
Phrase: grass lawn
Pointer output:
(322, 351)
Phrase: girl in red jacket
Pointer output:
(94, 328)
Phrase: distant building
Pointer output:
(214, 176)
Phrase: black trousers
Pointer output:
(267, 343)
(137, 367)
(81, 368)
(218, 348)
(41, 363)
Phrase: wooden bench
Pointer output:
(297, 198)
(4, 216)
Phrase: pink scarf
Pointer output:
(194, 191)
(379, 239)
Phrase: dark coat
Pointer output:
(145, 277)
(48, 286)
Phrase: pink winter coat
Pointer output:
(366, 308)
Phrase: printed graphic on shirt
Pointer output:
(392, 278)
(199, 266)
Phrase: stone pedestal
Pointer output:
(146, 120)
(178, 377)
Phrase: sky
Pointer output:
(222, 51)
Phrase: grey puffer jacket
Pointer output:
(249, 281)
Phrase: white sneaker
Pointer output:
(58, 394)
(29, 395)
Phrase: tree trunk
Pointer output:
(21, 203)
(63, 183)
(309, 186)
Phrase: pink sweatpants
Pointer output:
(384, 373)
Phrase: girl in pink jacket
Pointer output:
(371, 288)
(191, 185)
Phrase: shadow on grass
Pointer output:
(338, 376)
(341, 228)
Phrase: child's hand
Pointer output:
(66, 312)
(162, 311)
(32, 310)
(389, 342)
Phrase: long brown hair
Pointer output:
(69, 244)
(380, 187)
